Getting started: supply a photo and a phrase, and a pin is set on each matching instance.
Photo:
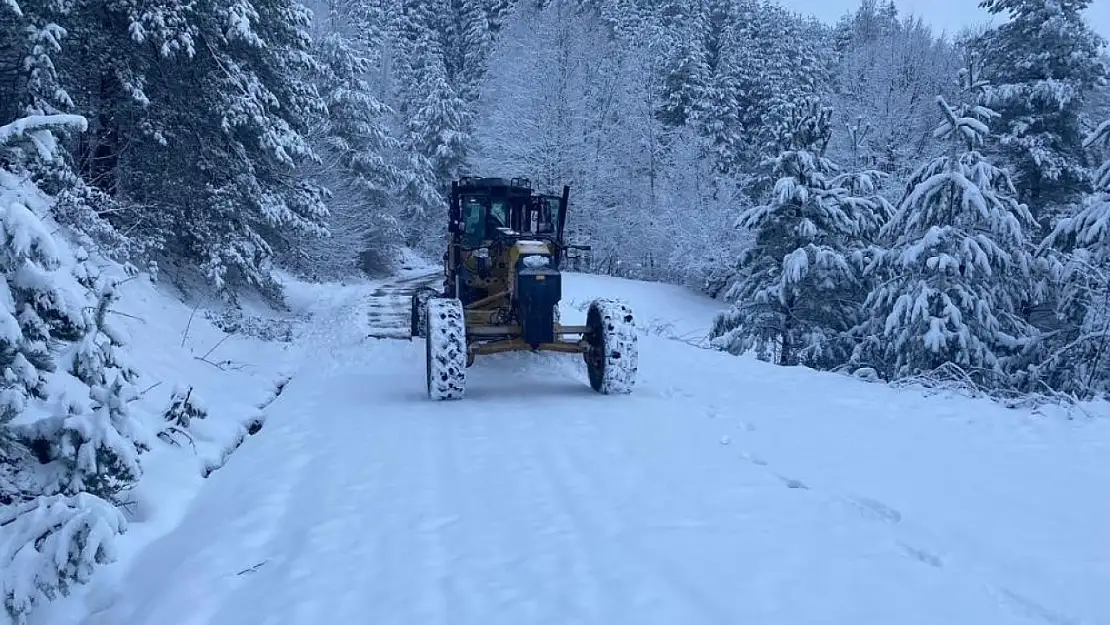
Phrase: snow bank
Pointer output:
(203, 393)
(661, 309)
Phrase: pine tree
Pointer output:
(198, 120)
(793, 301)
(955, 265)
(52, 544)
(685, 73)
(436, 119)
(1075, 356)
(717, 113)
(497, 13)
(781, 59)
(468, 41)
(1043, 63)
(34, 310)
(49, 541)
(101, 441)
(360, 163)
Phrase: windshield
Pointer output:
(498, 215)
(481, 217)
(474, 212)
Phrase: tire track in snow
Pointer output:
(580, 479)
(580, 584)
(297, 540)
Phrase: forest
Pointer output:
(870, 196)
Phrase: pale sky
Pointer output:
(949, 15)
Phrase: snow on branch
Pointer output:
(37, 129)
(51, 544)
(23, 127)
(967, 122)
(1099, 135)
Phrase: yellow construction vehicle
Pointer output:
(501, 291)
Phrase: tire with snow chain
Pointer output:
(445, 346)
(611, 359)
(419, 312)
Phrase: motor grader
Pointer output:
(501, 290)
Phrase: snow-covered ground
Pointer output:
(723, 490)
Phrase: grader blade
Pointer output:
(390, 308)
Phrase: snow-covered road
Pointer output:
(722, 491)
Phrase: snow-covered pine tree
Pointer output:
(200, 112)
(438, 128)
(497, 13)
(48, 541)
(954, 270)
(51, 544)
(100, 442)
(1074, 357)
(684, 69)
(793, 301)
(26, 246)
(435, 119)
(438, 142)
(1043, 62)
(717, 111)
(468, 41)
(359, 155)
(184, 406)
(781, 58)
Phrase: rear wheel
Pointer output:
(445, 349)
(611, 359)
(418, 312)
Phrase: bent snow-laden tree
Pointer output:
(795, 298)
(955, 263)
(62, 459)
(56, 471)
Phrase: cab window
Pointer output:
(499, 214)
(541, 218)
(474, 220)
(551, 213)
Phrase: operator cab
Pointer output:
(491, 209)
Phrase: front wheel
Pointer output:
(445, 349)
(612, 355)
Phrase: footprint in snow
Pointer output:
(922, 556)
(756, 460)
(1032, 608)
(674, 392)
(876, 510)
(792, 483)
